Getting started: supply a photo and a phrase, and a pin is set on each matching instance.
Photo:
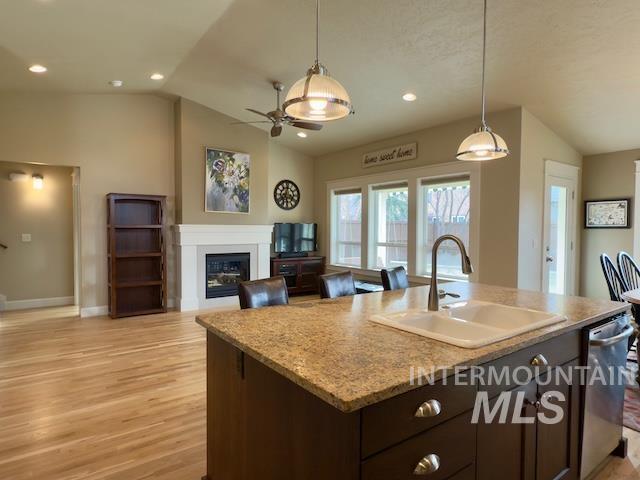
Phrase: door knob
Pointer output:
(429, 464)
(549, 258)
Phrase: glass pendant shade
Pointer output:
(481, 145)
(317, 97)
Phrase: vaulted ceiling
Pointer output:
(572, 63)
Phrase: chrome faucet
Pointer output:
(434, 294)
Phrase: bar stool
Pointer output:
(333, 285)
(394, 279)
(263, 293)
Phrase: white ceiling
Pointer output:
(573, 63)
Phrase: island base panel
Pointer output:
(261, 425)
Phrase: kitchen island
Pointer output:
(315, 390)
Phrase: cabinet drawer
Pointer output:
(556, 351)
(453, 442)
(389, 422)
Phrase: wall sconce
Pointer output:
(38, 181)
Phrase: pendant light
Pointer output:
(483, 144)
(317, 96)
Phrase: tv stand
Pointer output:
(300, 273)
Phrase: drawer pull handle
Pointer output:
(428, 465)
(539, 361)
(430, 408)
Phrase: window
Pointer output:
(446, 205)
(390, 226)
(390, 219)
(347, 217)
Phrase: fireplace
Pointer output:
(195, 242)
(224, 271)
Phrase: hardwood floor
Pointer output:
(102, 399)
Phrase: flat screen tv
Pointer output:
(295, 238)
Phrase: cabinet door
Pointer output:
(309, 272)
(557, 443)
(507, 450)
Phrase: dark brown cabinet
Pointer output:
(557, 443)
(534, 449)
(507, 450)
(301, 274)
(136, 254)
(261, 424)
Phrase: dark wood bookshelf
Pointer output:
(136, 254)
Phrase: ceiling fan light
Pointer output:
(317, 97)
(482, 145)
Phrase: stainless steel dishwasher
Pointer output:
(604, 403)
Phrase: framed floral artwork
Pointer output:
(607, 213)
(226, 181)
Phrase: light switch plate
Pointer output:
(26, 237)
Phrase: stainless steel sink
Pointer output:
(469, 324)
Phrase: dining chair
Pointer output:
(617, 286)
(263, 293)
(394, 279)
(629, 270)
(334, 285)
(630, 273)
(615, 283)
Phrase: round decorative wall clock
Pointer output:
(286, 195)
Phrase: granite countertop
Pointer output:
(331, 349)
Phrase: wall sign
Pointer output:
(390, 155)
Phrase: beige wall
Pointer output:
(122, 143)
(201, 127)
(198, 127)
(285, 163)
(499, 195)
(539, 143)
(42, 268)
(606, 176)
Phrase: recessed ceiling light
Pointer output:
(37, 68)
(409, 97)
(302, 135)
(116, 83)
(157, 76)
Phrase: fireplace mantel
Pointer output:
(194, 242)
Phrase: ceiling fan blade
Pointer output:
(276, 130)
(258, 113)
(306, 125)
(249, 123)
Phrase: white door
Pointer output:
(558, 254)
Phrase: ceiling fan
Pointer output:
(279, 118)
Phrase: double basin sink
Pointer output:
(469, 324)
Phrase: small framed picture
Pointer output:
(607, 213)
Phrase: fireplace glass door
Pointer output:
(224, 272)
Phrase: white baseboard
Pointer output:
(38, 303)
